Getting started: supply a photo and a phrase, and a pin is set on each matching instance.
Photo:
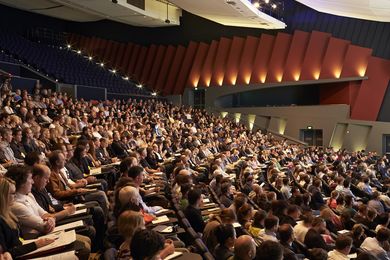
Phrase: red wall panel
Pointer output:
(174, 70)
(247, 58)
(107, 51)
(125, 60)
(148, 62)
(115, 47)
(334, 58)
(292, 68)
(94, 45)
(278, 57)
(335, 93)
(165, 65)
(315, 53)
(133, 59)
(185, 68)
(196, 68)
(99, 49)
(218, 70)
(356, 61)
(207, 69)
(372, 90)
(263, 54)
(90, 45)
(233, 61)
(118, 57)
(156, 65)
(140, 62)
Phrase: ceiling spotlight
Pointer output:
(256, 4)
(114, 71)
(90, 58)
(68, 46)
(266, 1)
(56, 80)
(274, 6)
(78, 52)
(102, 64)
(139, 86)
(154, 94)
(126, 78)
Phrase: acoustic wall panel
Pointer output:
(207, 69)
(165, 65)
(133, 59)
(262, 57)
(372, 90)
(156, 65)
(113, 53)
(185, 68)
(278, 58)
(292, 69)
(221, 56)
(119, 55)
(107, 51)
(174, 70)
(140, 62)
(148, 62)
(247, 59)
(196, 69)
(315, 53)
(233, 61)
(125, 60)
(356, 60)
(332, 64)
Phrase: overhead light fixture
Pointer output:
(68, 46)
(90, 58)
(78, 52)
(56, 80)
(154, 94)
(126, 78)
(274, 6)
(114, 71)
(139, 86)
(266, 1)
(102, 64)
(256, 4)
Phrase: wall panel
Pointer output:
(278, 57)
(165, 65)
(174, 70)
(233, 61)
(356, 60)
(219, 66)
(140, 61)
(247, 59)
(185, 68)
(207, 69)
(156, 65)
(312, 63)
(133, 59)
(148, 62)
(332, 64)
(262, 57)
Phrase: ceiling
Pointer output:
(375, 10)
(154, 15)
(230, 12)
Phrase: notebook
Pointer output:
(161, 219)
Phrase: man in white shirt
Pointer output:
(32, 218)
(379, 245)
(271, 225)
(302, 227)
(343, 247)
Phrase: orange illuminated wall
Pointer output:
(252, 60)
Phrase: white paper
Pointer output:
(71, 225)
(162, 211)
(95, 171)
(160, 219)
(343, 231)
(78, 212)
(79, 205)
(174, 255)
(352, 255)
(158, 173)
(213, 209)
(71, 255)
(236, 225)
(167, 230)
(62, 238)
(206, 200)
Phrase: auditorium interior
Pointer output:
(194, 129)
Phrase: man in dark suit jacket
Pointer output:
(117, 146)
(192, 212)
(290, 251)
(313, 238)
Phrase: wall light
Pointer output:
(78, 52)
(102, 64)
(256, 4)
(154, 94)
(362, 71)
(224, 114)
(90, 58)
(68, 46)
(126, 78)
(139, 85)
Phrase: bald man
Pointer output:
(244, 248)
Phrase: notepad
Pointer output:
(236, 225)
(158, 173)
(161, 219)
(71, 225)
(206, 200)
(61, 239)
(78, 212)
(213, 209)
(343, 231)
(174, 255)
(161, 211)
(209, 205)
(71, 255)
(95, 171)
(79, 205)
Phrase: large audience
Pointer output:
(144, 179)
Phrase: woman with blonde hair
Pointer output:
(128, 223)
(9, 234)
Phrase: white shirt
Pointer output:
(371, 245)
(300, 231)
(29, 213)
(336, 255)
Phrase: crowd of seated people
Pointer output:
(119, 167)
